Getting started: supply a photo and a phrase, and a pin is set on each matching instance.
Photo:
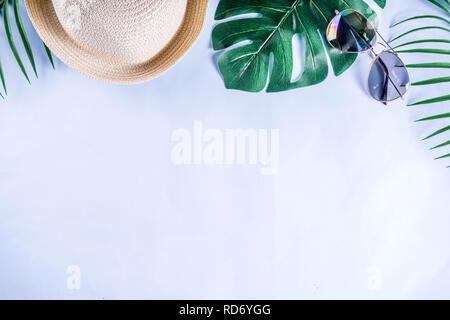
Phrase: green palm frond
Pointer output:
(432, 100)
(9, 36)
(431, 81)
(422, 41)
(447, 128)
(420, 29)
(49, 55)
(421, 17)
(436, 117)
(23, 34)
(431, 65)
(425, 50)
(12, 8)
(443, 17)
(443, 4)
(441, 145)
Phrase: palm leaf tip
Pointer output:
(425, 50)
(9, 36)
(2, 78)
(431, 65)
(438, 132)
(422, 41)
(441, 145)
(431, 81)
(421, 17)
(419, 29)
(23, 35)
(430, 101)
(443, 157)
(49, 55)
(436, 117)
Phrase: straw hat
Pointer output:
(119, 41)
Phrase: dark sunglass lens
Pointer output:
(350, 31)
(388, 77)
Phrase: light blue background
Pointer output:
(359, 209)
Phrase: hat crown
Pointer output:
(131, 31)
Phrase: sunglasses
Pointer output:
(350, 31)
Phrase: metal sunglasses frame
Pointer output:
(371, 49)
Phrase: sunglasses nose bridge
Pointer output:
(374, 48)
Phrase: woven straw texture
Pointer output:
(118, 41)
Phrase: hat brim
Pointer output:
(46, 22)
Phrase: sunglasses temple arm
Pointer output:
(387, 43)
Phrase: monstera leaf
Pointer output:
(440, 22)
(250, 42)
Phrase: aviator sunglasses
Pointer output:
(350, 31)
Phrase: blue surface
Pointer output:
(358, 209)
